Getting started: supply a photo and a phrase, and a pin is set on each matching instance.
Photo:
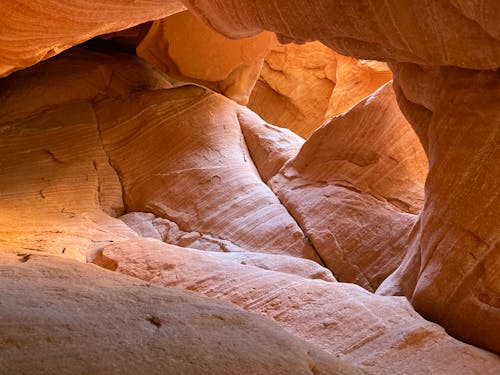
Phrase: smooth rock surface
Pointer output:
(57, 188)
(199, 175)
(450, 273)
(34, 30)
(61, 316)
(381, 335)
(185, 48)
(451, 270)
(447, 32)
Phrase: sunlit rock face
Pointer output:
(302, 86)
(57, 186)
(452, 111)
(438, 33)
(34, 30)
(185, 48)
(59, 191)
(293, 86)
(195, 134)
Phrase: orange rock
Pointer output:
(270, 146)
(33, 30)
(182, 46)
(381, 335)
(450, 32)
(56, 182)
(454, 112)
(355, 80)
(450, 272)
(295, 86)
(301, 86)
(355, 187)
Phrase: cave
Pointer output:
(252, 187)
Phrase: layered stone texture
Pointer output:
(438, 33)
(203, 182)
(355, 187)
(34, 30)
(302, 86)
(188, 50)
(195, 162)
(355, 80)
(449, 42)
(61, 316)
(43, 220)
(56, 183)
(455, 275)
(381, 335)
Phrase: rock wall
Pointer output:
(185, 48)
(99, 150)
(355, 188)
(61, 316)
(302, 86)
(439, 275)
(34, 30)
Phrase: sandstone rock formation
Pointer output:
(439, 33)
(355, 79)
(185, 48)
(61, 316)
(301, 86)
(34, 30)
(440, 276)
(382, 335)
(56, 182)
(451, 269)
(295, 86)
(98, 150)
(355, 187)
(203, 182)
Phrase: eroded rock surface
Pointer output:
(185, 48)
(437, 33)
(451, 271)
(57, 186)
(382, 335)
(191, 146)
(355, 188)
(61, 316)
(302, 86)
(33, 30)
(203, 180)
(446, 41)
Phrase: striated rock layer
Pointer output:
(355, 188)
(31, 31)
(56, 183)
(437, 33)
(381, 335)
(126, 129)
(200, 176)
(450, 272)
